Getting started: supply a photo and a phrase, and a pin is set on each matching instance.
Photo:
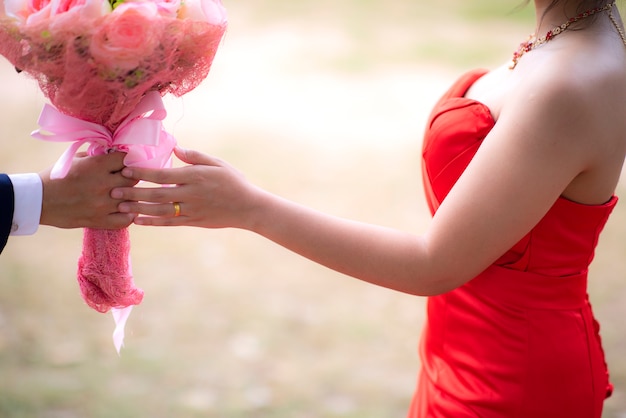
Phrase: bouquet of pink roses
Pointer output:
(104, 65)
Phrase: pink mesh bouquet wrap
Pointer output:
(104, 65)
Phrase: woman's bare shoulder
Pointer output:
(584, 85)
(576, 115)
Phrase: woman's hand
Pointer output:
(209, 193)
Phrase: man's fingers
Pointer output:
(119, 220)
(117, 180)
(113, 162)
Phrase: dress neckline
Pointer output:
(460, 89)
(472, 77)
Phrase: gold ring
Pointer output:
(176, 209)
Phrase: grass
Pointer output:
(323, 102)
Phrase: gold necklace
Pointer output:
(533, 42)
(617, 26)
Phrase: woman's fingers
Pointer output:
(152, 175)
(147, 194)
(159, 221)
(172, 175)
(158, 205)
(195, 157)
(151, 209)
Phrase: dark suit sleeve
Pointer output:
(7, 202)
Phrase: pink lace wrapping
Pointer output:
(104, 271)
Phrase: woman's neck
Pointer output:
(548, 17)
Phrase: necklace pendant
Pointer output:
(523, 48)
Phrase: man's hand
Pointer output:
(83, 197)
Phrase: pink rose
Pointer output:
(126, 36)
(22, 9)
(33, 12)
(62, 6)
(211, 11)
(166, 8)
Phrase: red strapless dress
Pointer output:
(519, 340)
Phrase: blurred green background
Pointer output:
(320, 101)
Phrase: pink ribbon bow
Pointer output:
(140, 135)
(106, 258)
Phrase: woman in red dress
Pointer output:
(520, 168)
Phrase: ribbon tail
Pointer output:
(64, 163)
(120, 316)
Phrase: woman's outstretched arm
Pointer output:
(536, 151)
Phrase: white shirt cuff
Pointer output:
(28, 192)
